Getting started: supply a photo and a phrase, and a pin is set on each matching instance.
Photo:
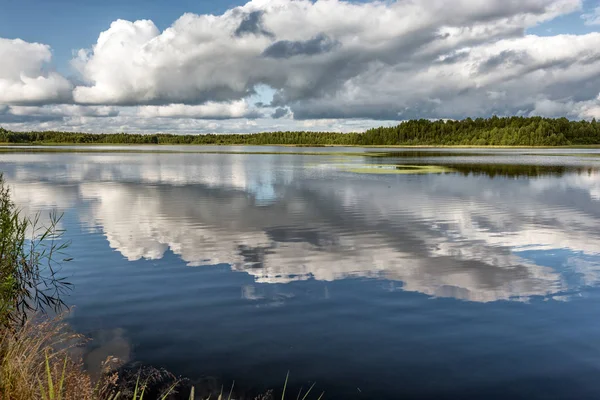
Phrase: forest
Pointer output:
(494, 131)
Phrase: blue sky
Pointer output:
(347, 66)
(568, 24)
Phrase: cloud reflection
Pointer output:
(441, 235)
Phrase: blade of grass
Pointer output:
(192, 394)
(137, 383)
(231, 390)
(285, 385)
(306, 395)
(49, 375)
(43, 391)
(62, 379)
(164, 397)
(143, 390)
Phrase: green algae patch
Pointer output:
(398, 169)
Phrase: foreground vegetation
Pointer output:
(513, 131)
(39, 357)
(30, 259)
(39, 360)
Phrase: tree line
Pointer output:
(494, 131)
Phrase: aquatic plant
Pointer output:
(396, 169)
(30, 258)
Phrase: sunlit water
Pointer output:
(482, 282)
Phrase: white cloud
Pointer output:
(24, 77)
(382, 61)
(234, 109)
(527, 72)
(298, 47)
(130, 120)
(64, 110)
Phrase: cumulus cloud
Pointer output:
(24, 77)
(32, 117)
(64, 109)
(71, 117)
(511, 76)
(381, 61)
(324, 66)
(235, 109)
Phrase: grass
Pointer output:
(38, 360)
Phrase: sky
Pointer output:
(227, 66)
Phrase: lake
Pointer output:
(377, 273)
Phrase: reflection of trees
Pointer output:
(442, 235)
(477, 169)
(519, 171)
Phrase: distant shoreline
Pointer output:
(509, 132)
(392, 146)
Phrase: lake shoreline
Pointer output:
(420, 146)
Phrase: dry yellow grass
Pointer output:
(37, 362)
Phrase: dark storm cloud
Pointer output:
(306, 110)
(252, 23)
(7, 117)
(286, 48)
(505, 58)
(343, 64)
(280, 112)
(583, 88)
(17, 119)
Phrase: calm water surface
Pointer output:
(481, 282)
